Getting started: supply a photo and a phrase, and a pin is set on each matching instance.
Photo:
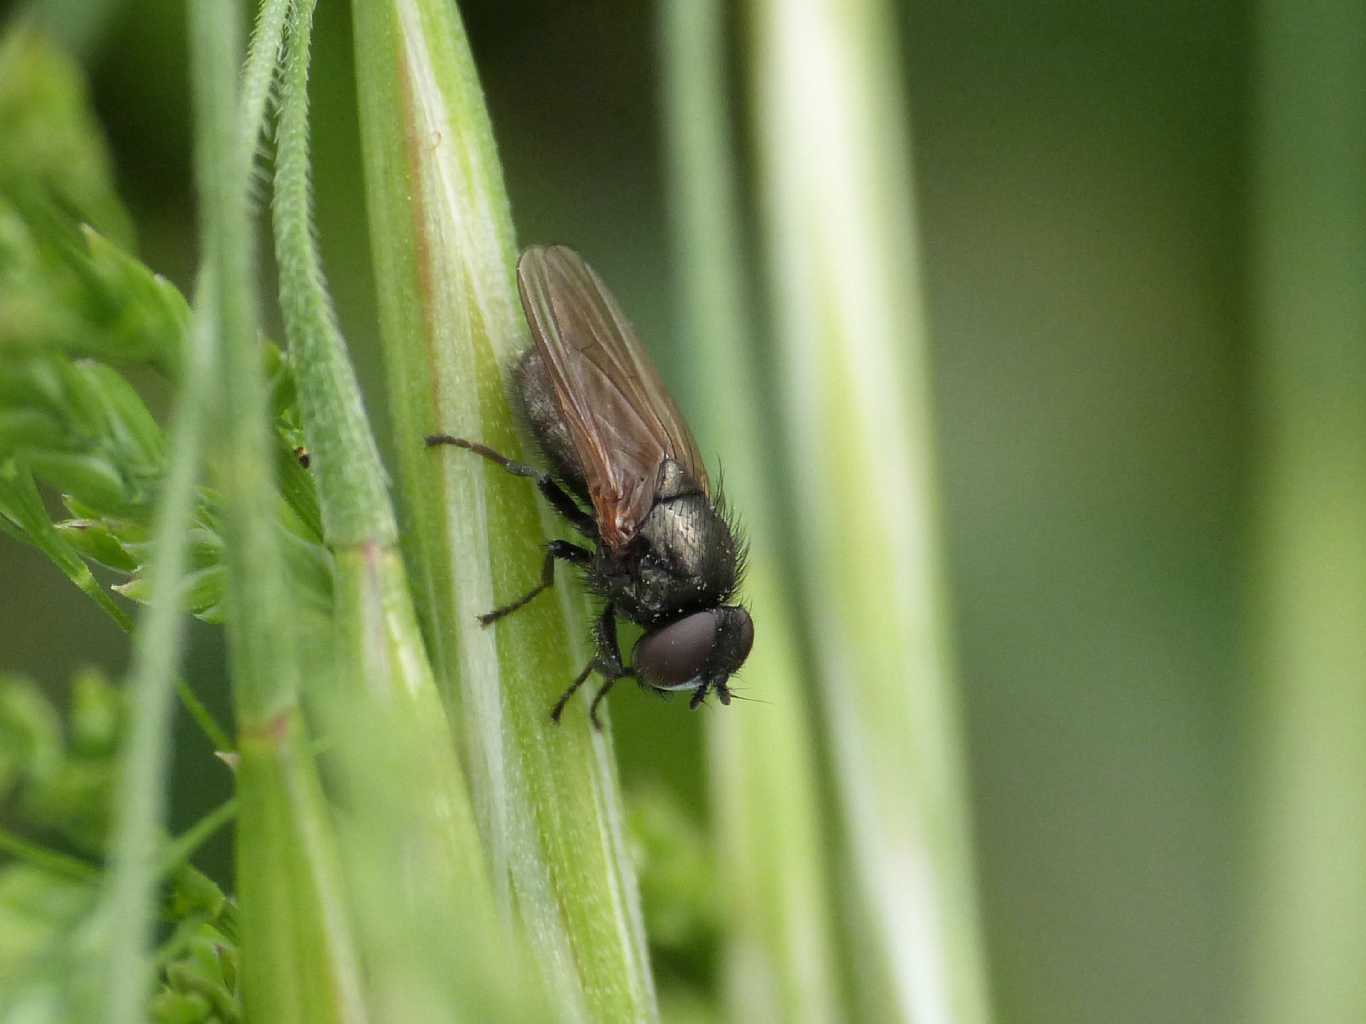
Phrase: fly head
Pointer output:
(698, 652)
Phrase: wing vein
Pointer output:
(621, 421)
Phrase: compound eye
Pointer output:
(744, 641)
(674, 655)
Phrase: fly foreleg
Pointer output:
(607, 662)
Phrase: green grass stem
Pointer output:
(298, 961)
(1307, 935)
(429, 929)
(546, 798)
(778, 956)
(835, 167)
(129, 895)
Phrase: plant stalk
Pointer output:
(298, 964)
(1307, 936)
(835, 162)
(778, 959)
(546, 797)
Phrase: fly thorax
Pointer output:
(686, 549)
(673, 481)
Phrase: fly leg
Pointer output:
(558, 709)
(556, 549)
(559, 500)
(607, 685)
(607, 662)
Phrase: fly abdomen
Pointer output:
(533, 387)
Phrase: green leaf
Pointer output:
(834, 147)
(1304, 654)
(37, 907)
(180, 1008)
(451, 325)
(71, 290)
(96, 715)
(92, 539)
(195, 895)
(29, 428)
(94, 478)
(772, 831)
(31, 744)
(145, 318)
(51, 136)
(201, 592)
(21, 505)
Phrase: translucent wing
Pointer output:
(622, 422)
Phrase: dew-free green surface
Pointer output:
(1082, 183)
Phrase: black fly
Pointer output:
(663, 554)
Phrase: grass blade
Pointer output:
(778, 960)
(1308, 937)
(834, 154)
(429, 930)
(546, 798)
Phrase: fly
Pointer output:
(626, 474)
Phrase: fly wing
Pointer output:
(622, 422)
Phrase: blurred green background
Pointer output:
(1081, 178)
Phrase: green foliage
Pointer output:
(768, 823)
(682, 914)
(52, 137)
(74, 308)
(198, 963)
(76, 291)
(77, 312)
(56, 780)
(56, 787)
(78, 425)
(416, 886)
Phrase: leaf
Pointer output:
(51, 135)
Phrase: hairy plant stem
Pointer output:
(140, 796)
(298, 964)
(429, 929)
